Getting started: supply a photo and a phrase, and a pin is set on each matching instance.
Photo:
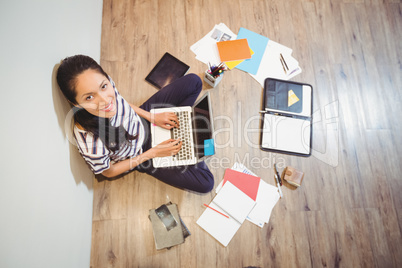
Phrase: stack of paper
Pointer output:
(270, 58)
(267, 197)
(260, 57)
(206, 49)
(240, 196)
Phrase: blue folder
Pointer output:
(257, 43)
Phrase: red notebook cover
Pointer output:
(248, 184)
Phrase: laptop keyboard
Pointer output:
(183, 132)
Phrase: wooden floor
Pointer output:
(348, 210)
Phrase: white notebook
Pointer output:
(232, 202)
(284, 133)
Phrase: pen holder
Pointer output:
(212, 81)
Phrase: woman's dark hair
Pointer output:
(67, 74)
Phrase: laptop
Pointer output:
(195, 131)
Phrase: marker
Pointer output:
(279, 186)
(216, 211)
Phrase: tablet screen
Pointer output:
(167, 70)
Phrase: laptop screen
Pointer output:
(202, 125)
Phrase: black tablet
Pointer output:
(167, 70)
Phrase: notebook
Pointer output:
(167, 226)
(167, 70)
(267, 195)
(233, 203)
(233, 50)
(287, 117)
(197, 136)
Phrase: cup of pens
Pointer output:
(214, 74)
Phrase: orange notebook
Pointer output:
(234, 50)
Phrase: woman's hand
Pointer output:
(167, 148)
(167, 120)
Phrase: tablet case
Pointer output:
(167, 70)
(276, 108)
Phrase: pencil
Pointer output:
(283, 66)
(216, 211)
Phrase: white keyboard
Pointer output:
(183, 132)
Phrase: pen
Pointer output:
(294, 70)
(279, 186)
(218, 71)
(287, 68)
(280, 114)
(216, 211)
(277, 173)
(283, 66)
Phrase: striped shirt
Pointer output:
(96, 154)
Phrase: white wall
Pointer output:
(45, 187)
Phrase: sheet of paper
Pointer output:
(271, 65)
(286, 134)
(267, 198)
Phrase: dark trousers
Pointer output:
(182, 92)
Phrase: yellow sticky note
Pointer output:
(292, 98)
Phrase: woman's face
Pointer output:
(95, 94)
